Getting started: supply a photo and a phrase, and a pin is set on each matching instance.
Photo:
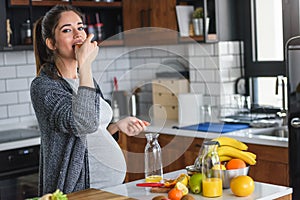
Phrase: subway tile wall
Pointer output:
(213, 69)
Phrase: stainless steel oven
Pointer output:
(19, 166)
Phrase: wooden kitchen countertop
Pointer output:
(94, 194)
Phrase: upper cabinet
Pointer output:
(149, 13)
(148, 22)
(157, 17)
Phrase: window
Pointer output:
(267, 30)
(267, 93)
(263, 38)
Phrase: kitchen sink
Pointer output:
(281, 132)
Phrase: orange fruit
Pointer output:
(242, 186)
(235, 163)
(175, 194)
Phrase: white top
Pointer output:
(106, 161)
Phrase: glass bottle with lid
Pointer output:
(212, 181)
(153, 159)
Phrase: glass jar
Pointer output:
(212, 180)
(153, 159)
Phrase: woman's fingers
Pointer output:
(132, 126)
(89, 37)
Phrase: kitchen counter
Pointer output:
(262, 191)
(249, 135)
(32, 141)
(165, 127)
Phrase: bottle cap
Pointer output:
(99, 24)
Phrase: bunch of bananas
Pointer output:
(231, 148)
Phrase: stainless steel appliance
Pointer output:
(19, 166)
(293, 73)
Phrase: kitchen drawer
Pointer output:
(175, 86)
(165, 112)
(165, 99)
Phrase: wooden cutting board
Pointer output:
(94, 194)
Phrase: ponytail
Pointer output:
(39, 45)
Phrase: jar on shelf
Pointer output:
(26, 34)
(153, 159)
(212, 179)
(99, 31)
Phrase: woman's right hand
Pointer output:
(85, 55)
(87, 52)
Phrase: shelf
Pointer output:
(210, 38)
(48, 3)
(17, 48)
(116, 4)
(19, 2)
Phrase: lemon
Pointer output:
(182, 187)
(153, 179)
(183, 178)
(218, 167)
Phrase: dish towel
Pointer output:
(215, 127)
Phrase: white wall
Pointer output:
(213, 70)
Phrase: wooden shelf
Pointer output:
(48, 3)
(116, 4)
(19, 2)
(17, 48)
(210, 38)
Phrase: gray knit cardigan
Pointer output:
(64, 119)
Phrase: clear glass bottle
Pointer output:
(153, 159)
(212, 181)
(116, 111)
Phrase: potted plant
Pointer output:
(198, 16)
(198, 13)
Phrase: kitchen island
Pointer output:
(262, 192)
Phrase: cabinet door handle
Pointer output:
(149, 17)
(142, 13)
(198, 145)
(295, 122)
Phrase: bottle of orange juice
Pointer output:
(153, 159)
(211, 182)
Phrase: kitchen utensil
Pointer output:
(116, 84)
(150, 184)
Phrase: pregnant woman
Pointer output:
(70, 109)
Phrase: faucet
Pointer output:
(283, 113)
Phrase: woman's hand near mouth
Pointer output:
(85, 55)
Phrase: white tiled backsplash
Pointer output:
(213, 70)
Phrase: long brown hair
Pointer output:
(44, 28)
